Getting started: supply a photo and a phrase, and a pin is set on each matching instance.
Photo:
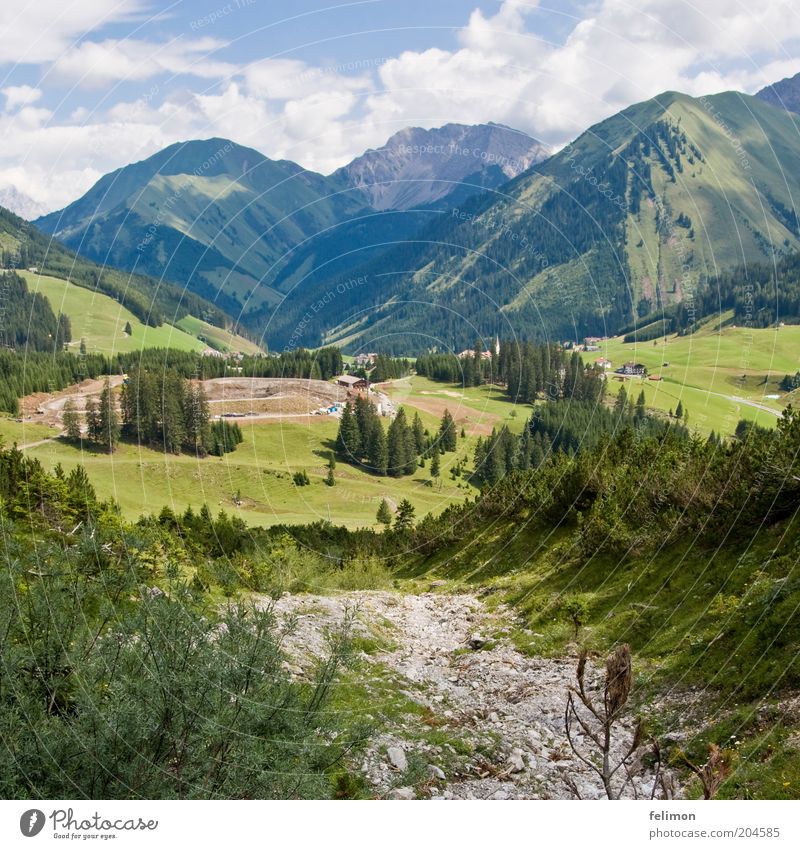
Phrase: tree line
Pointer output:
(27, 320)
(396, 451)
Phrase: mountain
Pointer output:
(20, 204)
(154, 302)
(212, 215)
(419, 167)
(784, 94)
(243, 230)
(624, 221)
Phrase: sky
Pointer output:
(87, 86)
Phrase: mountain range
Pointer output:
(20, 204)
(409, 247)
(784, 94)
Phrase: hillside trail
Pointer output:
(488, 723)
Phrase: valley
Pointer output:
(365, 435)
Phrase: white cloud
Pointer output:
(40, 30)
(502, 69)
(20, 95)
(96, 63)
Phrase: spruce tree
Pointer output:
(109, 418)
(384, 515)
(447, 432)
(405, 516)
(72, 421)
(377, 449)
(348, 441)
(435, 466)
(93, 427)
(399, 442)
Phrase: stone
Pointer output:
(515, 761)
(436, 772)
(476, 641)
(404, 793)
(397, 758)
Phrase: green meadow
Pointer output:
(721, 373)
(259, 472)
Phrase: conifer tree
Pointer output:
(109, 418)
(94, 429)
(384, 515)
(447, 432)
(435, 466)
(405, 516)
(72, 421)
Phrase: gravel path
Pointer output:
(505, 707)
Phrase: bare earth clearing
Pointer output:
(503, 710)
(48, 407)
(270, 397)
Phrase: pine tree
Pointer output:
(621, 403)
(384, 515)
(330, 480)
(400, 447)
(72, 421)
(196, 417)
(94, 429)
(377, 448)
(447, 432)
(348, 441)
(128, 328)
(109, 418)
(679, 410)
(405, 516)
(419, 434)
(435, 466)
(641, 406)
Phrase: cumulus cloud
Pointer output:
(20, 95)
(40, 30)
(505, 67)
(96, 63)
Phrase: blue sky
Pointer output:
(89, 85)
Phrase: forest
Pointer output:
(27, 320)
(398, 451)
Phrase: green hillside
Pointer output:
(101, 321)
(210, 214)
(627, 219)
(721, 373)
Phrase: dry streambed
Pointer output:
(486, 723)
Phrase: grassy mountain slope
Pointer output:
(625, 220)
(211, 214)
(101, 321)
(152, 301)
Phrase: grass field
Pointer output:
(477, 409)
(217, 337)
(718, 373)
(260, 470)
(101, 320)
(22, 433)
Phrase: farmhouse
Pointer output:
(633, 369)
(365, 359)
(351, 382)
(603, 363)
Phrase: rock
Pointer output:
(493, 717)
(405, 793)
(500, 794)
(515, 761)
(397, 758)
(436, 772)
(476, 641)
